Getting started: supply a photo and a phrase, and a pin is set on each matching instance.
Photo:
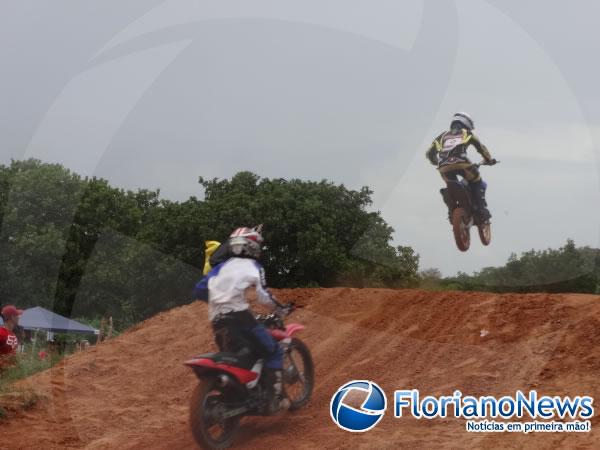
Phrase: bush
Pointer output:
(18, 399)
(566, 269)
(26, 365)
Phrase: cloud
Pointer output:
(79, 126)
(562, 142)
(387, 21)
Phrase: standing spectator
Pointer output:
(8, 339)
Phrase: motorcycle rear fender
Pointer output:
(203, 367)
(460, 194)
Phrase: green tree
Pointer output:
(317, 233)
(566, 269)
(80, 246)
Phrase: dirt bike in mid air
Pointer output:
(233, 386)
(464, 213)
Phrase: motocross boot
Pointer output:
(447, 201)
(278, 401)
(478, 190)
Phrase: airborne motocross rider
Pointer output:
(449, 152)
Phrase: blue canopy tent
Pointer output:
(39, 318)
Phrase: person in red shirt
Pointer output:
(8, 339)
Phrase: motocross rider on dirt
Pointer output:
(449, 152)
(234, 325)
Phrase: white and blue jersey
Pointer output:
(227, 284)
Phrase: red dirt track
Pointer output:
(132, 393)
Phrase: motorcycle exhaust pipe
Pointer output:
(224, 380)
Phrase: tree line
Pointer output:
(566, 269)
(83, 248)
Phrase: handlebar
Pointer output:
(485, 163)
(285, 310)
(275, 319)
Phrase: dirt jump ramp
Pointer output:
(133, 392)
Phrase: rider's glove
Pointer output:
(283, 310)
(280, 312)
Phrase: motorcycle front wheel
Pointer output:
(207, 406)
(485, 233)
(298, 374)
(460, 227)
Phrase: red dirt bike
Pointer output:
(231, 386)
(465, 214)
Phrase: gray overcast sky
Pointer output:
(155, 93)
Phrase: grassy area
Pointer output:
(14, 398)
(26, 365)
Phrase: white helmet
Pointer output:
(246, 241)
(464, 119)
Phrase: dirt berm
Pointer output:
(132, 393)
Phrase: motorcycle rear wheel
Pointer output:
(460, 227)
(485, 233)
(208, 398)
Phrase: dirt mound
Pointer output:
(132, 393)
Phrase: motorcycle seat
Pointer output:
(232, 359)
